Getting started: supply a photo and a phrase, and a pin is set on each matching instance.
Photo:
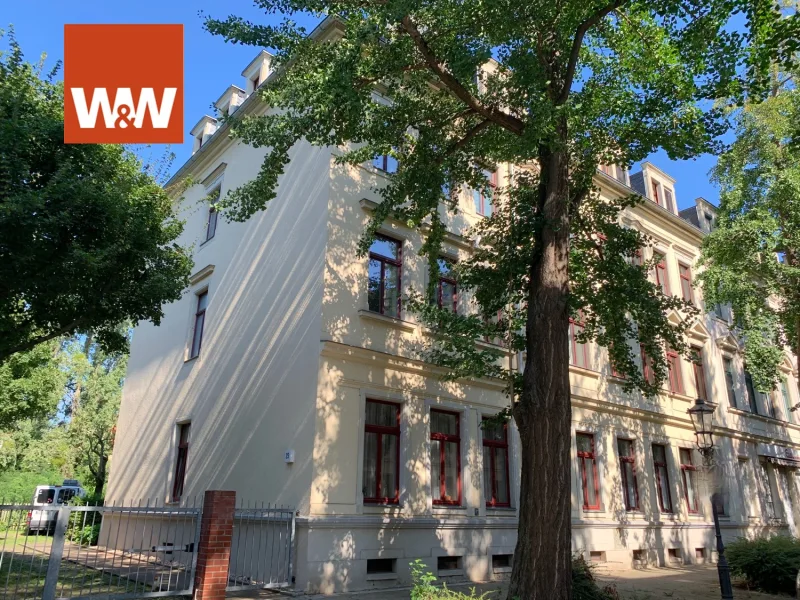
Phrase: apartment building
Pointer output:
(289, 373)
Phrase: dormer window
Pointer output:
(709, 221)
(669, 200)
(656, 195)
(256, 81)
(256, 72)
(201, 132)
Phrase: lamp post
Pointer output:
(701, 414)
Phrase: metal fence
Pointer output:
(261, 549)
(93, 552)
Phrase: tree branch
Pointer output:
(470, 135)
(506, 121)
(4, 354)
(577, 42)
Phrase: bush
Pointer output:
(84, 526)
(584, 585)
(768, 564)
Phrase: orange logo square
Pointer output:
(123, 84)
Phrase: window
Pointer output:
(662, 478)
(45, 496)
(621, 174)
(495, 464)
(199, 323)
(661, 273)
(381, 566)
(709, 221)
(445, 457)
(787, 403)
(637, 259)
(501, 561)
(699, 373)
(211, 225)
(751, 393)
(385, 266)
(727, 364)
(669, 203)
(181, 457)
(687, 473)
(769, 504)
(770, 398)
(446, 290)
(647, 366)
(448, 563)
(686, 282)
(256, 81)
(578, 351)
(484, 198)
(721, 312)
(674, 366)
(656, 196)
(211, 221)
(65, 495)
(386, 163)
(627, 466)
(588, 466)
(381, 452)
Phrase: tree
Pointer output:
(557, 88)
(752, 258)
(87, 237)
(96, 380)
(31, 384)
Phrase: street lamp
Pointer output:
(701, 414)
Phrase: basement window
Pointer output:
(448, 563)
(638, 556)
(700, 553)
(501, 561)
(674, 554)
(597, 556)
(381, 566)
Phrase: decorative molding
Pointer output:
(728, 342)
(215, 174)
(201, 274)
(406, 326)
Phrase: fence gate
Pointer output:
(95, 552)
(261, 548)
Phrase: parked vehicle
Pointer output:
(51, 496)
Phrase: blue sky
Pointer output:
(211, 65)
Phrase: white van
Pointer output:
(51, 496)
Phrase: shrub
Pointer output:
(768, 564)
(584, 585)
(84, 526)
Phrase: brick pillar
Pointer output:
(214, 550)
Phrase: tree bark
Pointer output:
(542, 559)
(100, 476)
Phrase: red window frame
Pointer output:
(699, 373)
(630, 458)
(480, 198)
(685, 272)
(454, 438)
(574, 325)
(656, 199)
(583, 456)
(647, 366)
(447, 279)
(661, 484)
(503, 445)
(675, 378)
(382, 430)
(181, 459)
(199, 321)
(687, 471)
(662, 279)
(397, 262)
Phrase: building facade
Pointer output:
(290, 373)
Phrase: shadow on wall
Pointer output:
(250, 393)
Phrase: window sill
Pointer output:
(381, 576)
(451, 573)
(205, 243)
(765, 418)
(394, 322)
(501, 570)
(190, 359)
(584, 371)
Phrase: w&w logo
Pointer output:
(123, 84)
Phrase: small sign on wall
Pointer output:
(288, 457)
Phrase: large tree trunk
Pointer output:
(542, 559)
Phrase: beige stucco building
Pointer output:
(285, 375)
